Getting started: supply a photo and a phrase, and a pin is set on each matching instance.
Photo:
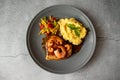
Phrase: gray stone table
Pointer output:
(15, 61)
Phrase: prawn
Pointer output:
(59, 41)
(50, 43)
(60, 52)
(50, 49)
(68, 47)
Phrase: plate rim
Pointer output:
(53, 71)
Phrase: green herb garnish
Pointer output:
(75, 29)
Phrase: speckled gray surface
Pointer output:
(15, 62)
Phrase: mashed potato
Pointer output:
(75, 33)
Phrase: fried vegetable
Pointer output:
(48, 25)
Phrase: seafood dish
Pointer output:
(56, 48)
(63, 37)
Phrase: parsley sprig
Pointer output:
(75, 29)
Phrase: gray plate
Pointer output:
(71, 64)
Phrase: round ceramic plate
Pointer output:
(76, 61)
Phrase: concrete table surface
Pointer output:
(15, 61)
